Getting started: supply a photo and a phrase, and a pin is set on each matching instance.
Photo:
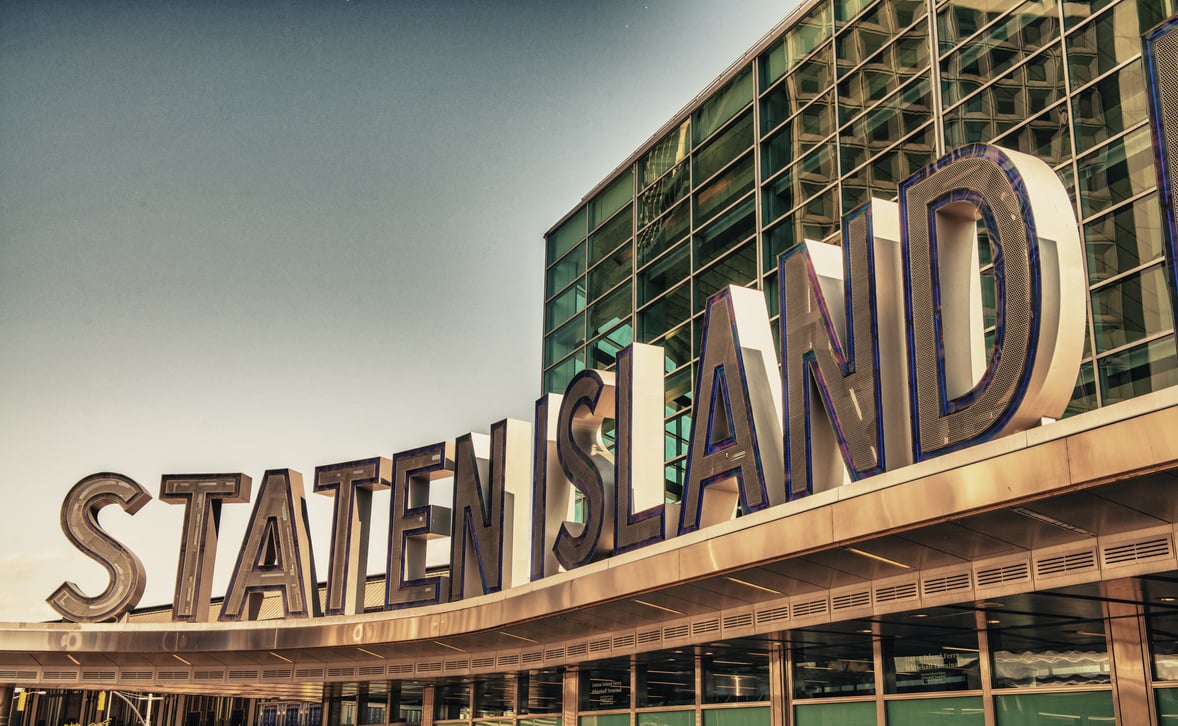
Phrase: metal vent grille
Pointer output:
(741, 620)
(341, 672)
(315, 672)
(244, 675)
(400, 668)
(676, 631)
(650, 636)
(98, 675)
(893, 593)
(948, 583)
(1063, 564)
(457, 665)
(174, 676)
(433, 667)
(271, 674)
(372, 670)
(24, 675)
(1007, 573)
(624, 641)
(772, 615)
(596, 646)
(554, 653)
(851, 600)
(209, 675)
(1137, 551)
(534, 657)
(484, 662)
(705, 626)
(578, 649)
(131, 675)
(60, 675)
(505, 660)
(813, 607)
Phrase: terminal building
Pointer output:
(1029, 578)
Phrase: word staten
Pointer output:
(883, 362)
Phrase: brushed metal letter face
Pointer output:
(201, 495)
(588, 401)
(735, 451)
(413, 521)
(481, 545)
(79, 522)
(960, 395)
(1161, 57)
(842, 353)
(352, 484)
(640, 512)
(275, 553)
(551, 489)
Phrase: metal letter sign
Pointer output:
(958, 396)
(352, 484)
(1161, 53)
(413, 521)
(79, 521)
(638, 463)
(201, 495)
(588, 400)
(275, 553)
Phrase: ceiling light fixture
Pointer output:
(658, 607)
(753, 585)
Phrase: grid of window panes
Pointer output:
(850, 99)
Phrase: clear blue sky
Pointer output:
(237, 236)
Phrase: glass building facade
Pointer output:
(841, 103)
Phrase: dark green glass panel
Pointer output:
(796, 228)
(847, 9)
(564, 306)
(1151, 13)
(1116, 172)
(738, 268)
(1103, 44)
(1030, 27)
(663, 679)
(918, 660)
(678, 384)
(805, 35)
(835, 714)
(669, 151)
(725, 232)
(798, 136)
(611, 234)
(604, 686)
(1109, 106)
(722, 191)
(610, 272)
(809, 81)
(723, 105)
(1065, 709)
(567, 269)
(616, 719)
(722, 149)
(1045, 136)
(557, 378)
(756, 716)
(667, 718)
(1144, 369)
(665, 313)
(1167, 706)
(1124, 239)
(959, 19)
(831, 664)
(1084, 394)
(772, 298)
(611, 199)
(878, 26)
(736, 676)
(659, 196)
(567, 235)
(674, 474)
(1131, 309)
(989, 299)
(564, 340)
(659, 235)
(666, 272)
(610, 310)
(958, 711)
(541, 691)
(603, 352)
(895, 118)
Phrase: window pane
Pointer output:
(678, 384)
(610, 310)
(724, 189)
(665, 313)
(757, 716)
(884, 73)
(1084, 395)
(1131, 309)
(797, 137)
(563, 306)
(894, 119)
(828, 664)
(1138, 371)
(611, 234)
(1040, 650)
(684, 717)
(1116, 172)
(663, 233)
(738, 268)
(494, 696)
(1108, 107)
(736, 676)
(724, 148)
(1032, 709)
(676, 435)
(662, 194)
(541, 691)
(603, 352)
(725, 232)
(610, 271)
(960, 19)
(605, 685)
(1103, 44)
(874, 29)
(669, 270)
(666, 679)
(567, 235)
(567, 338)
(668, 152)
(453, 701)
(569, 268)
(922, 658)
(835, 714)
(806, 35)
(611, 199)
(805, 84)
(723, 105)
(557, 378)
(1120, 241)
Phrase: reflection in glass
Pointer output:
(665, 679)
(541, 691)
(1131, 309)
(1116, 172)
(605, 685)
(1135, 372)
(830, 664)
(1124, 239)
(735, 676)
(1109, 106)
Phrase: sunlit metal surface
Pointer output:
(351, 484)
(1054, 507)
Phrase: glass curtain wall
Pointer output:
(848, 101)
